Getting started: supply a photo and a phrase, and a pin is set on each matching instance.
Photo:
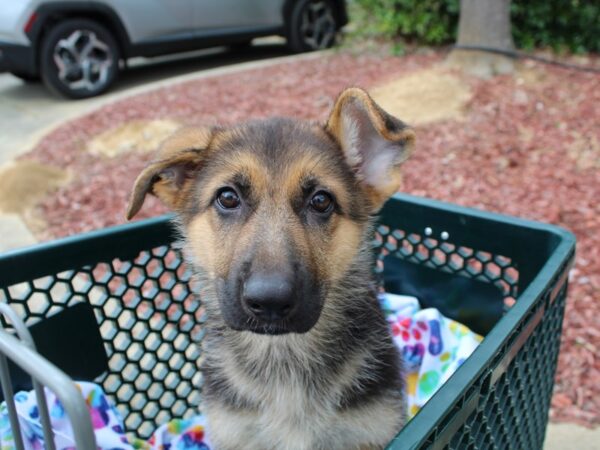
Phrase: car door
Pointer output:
(211, 15)
(155, 20)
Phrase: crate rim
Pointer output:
(479, 213)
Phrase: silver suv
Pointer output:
(75, 46)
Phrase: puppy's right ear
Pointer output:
(374, 143)
(168, 177)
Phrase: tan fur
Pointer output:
(305, 164)
(342, 248)
(186, 146)
(281, 429)
(203, 243)
(376, 115)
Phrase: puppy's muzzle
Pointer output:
(269, 297)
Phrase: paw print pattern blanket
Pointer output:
(432, 346)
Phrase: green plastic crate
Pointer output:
(148, 315)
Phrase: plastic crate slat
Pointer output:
(559, 285)
(517, 344)
(444, 436)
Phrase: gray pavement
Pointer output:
(14, 233)
(566, 436)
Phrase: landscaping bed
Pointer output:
(526, 144)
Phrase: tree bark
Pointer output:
(483, 23)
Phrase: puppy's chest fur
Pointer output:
(285, 392)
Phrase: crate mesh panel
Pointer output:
(443, 255)
(514, 412)
(150, 323)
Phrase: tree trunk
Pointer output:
(483, 23)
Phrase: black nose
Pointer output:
(269, 296)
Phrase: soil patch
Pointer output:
(24, 183)
(139, 135)
(425, 96)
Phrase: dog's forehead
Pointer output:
(276, 152)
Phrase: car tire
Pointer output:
(79, 58)
(312, 25)
(25, 77)
(240, 46)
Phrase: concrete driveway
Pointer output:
(28, 110)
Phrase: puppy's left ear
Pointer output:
(374, 143)
(170, 175)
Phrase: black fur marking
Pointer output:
(379, 378)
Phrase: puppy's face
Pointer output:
(275, 211)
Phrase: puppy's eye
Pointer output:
(321, 202)
(227, 198)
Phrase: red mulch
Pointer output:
(526, 149)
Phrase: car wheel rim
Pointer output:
(317, 25)
(83, 60)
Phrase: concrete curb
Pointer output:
(565, 436)
(207, 73)
(14, 232)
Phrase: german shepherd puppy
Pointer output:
(277, 221)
